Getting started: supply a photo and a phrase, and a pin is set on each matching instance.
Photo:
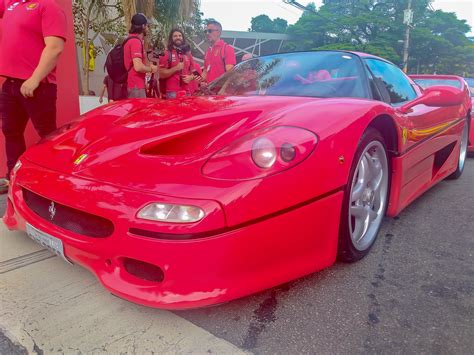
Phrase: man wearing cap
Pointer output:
(34, 33)
(220, 56)
(134, 57)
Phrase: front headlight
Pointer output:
(261, 154)
(264, 153)
(164, 212)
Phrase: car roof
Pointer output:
(367, 55)
(359, 54)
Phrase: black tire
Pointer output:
(348, 251)
(462, 152)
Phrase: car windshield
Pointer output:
(311, 74)
(425, 83)
(470, 82)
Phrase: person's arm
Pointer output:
(140, 67)
(189, 77)
(204, 72)
(49, 58)
(102, 92)
(230, 59)
(166, 73)
(135, 46)
(204, 75)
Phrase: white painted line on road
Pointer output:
(56, 307)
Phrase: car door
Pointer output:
(422, 123)
(429, 134)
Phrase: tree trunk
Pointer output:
(85, 86)
(129, 9)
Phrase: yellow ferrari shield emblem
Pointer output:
(32, 6)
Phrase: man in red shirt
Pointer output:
(220, 56)
(34, 33)
(135, 59)
(177, 65)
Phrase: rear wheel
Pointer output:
(365, 198)
(462, 153)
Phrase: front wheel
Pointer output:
(365, 198)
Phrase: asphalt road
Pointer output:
(414, 293)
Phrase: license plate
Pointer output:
(48, 241)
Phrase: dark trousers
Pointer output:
(16, 110)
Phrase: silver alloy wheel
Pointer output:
(368, 195)
(463, 150)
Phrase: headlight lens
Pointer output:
(287, 152)
(164, 212)
(264, 153)
(261, 153)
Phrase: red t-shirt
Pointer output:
(215, 57)
(25, 24)
(134, 49)
(174, 81)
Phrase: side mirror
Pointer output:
(436, 96)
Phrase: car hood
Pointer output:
(139, 142)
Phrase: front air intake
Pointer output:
(68, 218)
(143, 270)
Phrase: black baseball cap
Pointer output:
(139, 19)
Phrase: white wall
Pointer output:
(87, 103)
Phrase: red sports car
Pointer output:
(426, 80)
(269, 174)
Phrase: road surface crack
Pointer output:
(36, 348)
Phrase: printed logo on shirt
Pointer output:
(32, 6)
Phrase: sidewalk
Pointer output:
(47, 305)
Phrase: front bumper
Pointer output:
(227, 265)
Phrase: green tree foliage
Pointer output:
(438, 40)
(184, 14)
(263, 23)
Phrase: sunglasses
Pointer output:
(209, 31)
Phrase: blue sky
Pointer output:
(236, 14)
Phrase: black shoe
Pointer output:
(4, 184)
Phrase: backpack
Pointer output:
(116, 68)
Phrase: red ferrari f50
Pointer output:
(273, 171)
